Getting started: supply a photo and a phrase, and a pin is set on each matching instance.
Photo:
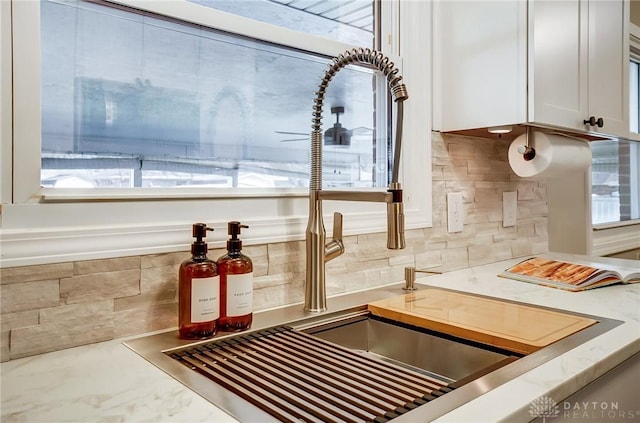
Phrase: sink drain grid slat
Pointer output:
(296, 377)
(411, 379)
(333, 390)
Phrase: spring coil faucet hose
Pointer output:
(318, 250)
(398, 92)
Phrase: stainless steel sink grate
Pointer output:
(296, 377)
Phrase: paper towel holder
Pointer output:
(528, 152)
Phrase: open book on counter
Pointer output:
(572, 276)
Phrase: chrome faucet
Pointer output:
(318, 251)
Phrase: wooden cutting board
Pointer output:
(515, 327)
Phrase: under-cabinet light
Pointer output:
(500, 129)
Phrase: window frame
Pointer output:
(42, 225)
(614, 237)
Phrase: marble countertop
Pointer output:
(109, 382)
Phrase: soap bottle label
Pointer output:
(205, 302)
(239, 294)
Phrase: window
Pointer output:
(350, 22)
(132, 120)
(132, 100)
(615, 182)
(615, 172)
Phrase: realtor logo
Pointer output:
(544, 407)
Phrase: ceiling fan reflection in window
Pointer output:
(337, 135)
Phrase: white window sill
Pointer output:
(616, 238)
(97, 194)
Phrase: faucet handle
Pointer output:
(335, 248)
(337, 226)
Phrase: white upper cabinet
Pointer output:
(541, 62)
(609, 64)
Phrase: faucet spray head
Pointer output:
(395, 218)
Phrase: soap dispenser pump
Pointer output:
(198, 290)
(236, 283)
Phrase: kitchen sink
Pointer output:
(345, 365)
(448, 358)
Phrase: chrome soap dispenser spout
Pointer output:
(318, 252)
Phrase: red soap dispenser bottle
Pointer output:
(198, 291)
(236, 284)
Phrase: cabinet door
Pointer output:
(609, 65)
(480, 57)
(558, 63)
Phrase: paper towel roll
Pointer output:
(555, 155)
